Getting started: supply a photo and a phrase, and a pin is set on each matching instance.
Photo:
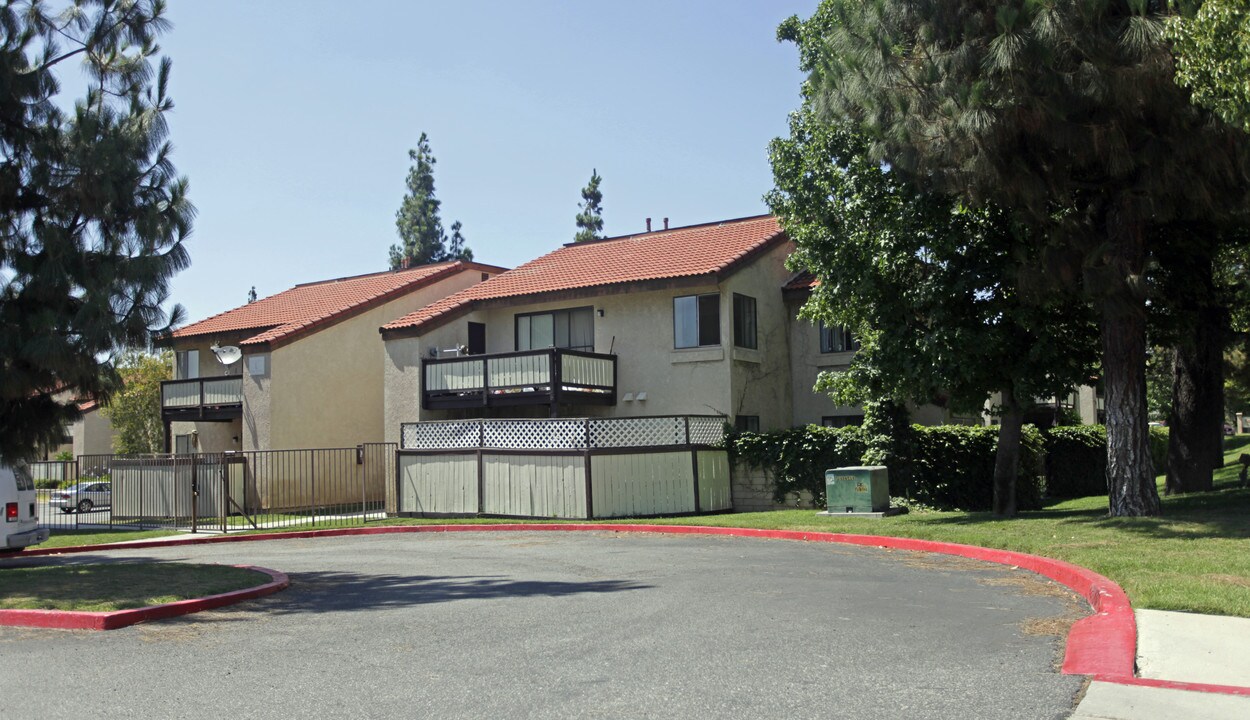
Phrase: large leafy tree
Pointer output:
(92, 214)
(1066, 113)
(1213, 57)
(422, 237)
(590, 217)
(135, 411)
(932, 287)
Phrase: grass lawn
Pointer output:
(117, 586)
(67, 538)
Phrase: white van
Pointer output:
(20, 527)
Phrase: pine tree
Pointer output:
(590, 219)
(92, 213)
(420, 227)
(1067, 113)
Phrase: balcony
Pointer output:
(208, 398)
(536, 377)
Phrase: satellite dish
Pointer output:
(227, 355)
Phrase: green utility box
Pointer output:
(857, 489)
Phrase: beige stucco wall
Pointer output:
(93, 434)
(638, 328)
(807, 362)
(326, 389)
(761, 378)
(209, 437)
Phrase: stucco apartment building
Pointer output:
(310, 373)
(694, 320)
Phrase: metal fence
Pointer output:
(221, 492)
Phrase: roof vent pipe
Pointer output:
(665, 223)
(648, 224)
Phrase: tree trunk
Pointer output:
(1007, 457)
(1196, 435)
(1131, 487)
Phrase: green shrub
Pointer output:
(47, 484)
(1159, 449)
(953, 467)
(797, 458)
(946, 467)
(1076, 461)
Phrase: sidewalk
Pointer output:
(1179, 647)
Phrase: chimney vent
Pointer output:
(648, 224)
(665, 223)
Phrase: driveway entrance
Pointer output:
(570, 625)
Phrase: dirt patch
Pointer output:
(1057, 626)
(1029, 584)
(1239, 580)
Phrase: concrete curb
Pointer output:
(1103, 645)
(81, 620)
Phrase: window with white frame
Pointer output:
(696, 321)
(187, 364)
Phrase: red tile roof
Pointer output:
(802, 281)
(707, 249)
(310, 305)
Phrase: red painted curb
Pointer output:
(81, 620)
(1103, 645)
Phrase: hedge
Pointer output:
(952, 467)
(797, 458)
(1076, 459)
(948, 467)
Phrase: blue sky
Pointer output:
(293, 122)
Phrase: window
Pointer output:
(187, 364)
(696, 321)
(747, 423)
(573, 329)
(744, 322)
(839, 421)
(837, 339)
(257, 365)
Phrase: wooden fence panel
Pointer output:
(438, 484)
(714, 487)
(642, 484)
(549, 486)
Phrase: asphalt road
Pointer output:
(567, 625)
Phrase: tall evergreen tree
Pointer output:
(1067, 113)
(420, 228)
(590, 219)
(92, 214)
(931, 287)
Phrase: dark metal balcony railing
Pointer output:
(203, 396)
(532, 377)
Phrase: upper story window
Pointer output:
(837, 339)
(187, 364)
(744, 322)
(573, 329)
(696, 320)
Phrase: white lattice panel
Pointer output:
(707, 430)
(535, 434)
(637, 432)
(439, 435)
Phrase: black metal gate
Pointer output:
(218, 492)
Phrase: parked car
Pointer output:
(83, 497)
(20, 528)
